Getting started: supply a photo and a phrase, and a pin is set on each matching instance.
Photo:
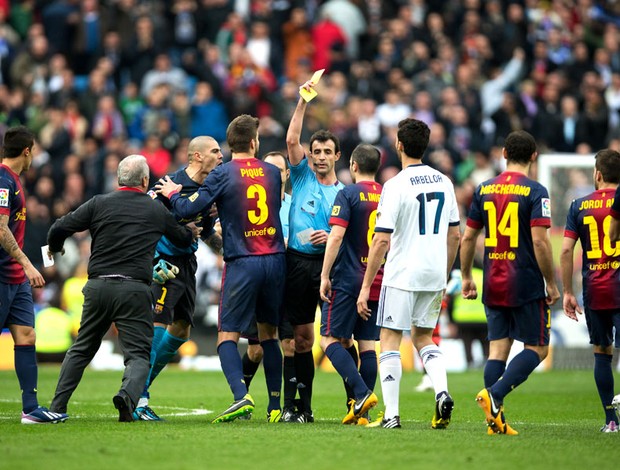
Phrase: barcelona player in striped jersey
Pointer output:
(519, 283)
(247, 193)
(346, 256)
(18, 275)
(588, 221)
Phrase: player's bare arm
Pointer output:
(569, 302)
(376, 254)
(214, 241)
(454, 236)
(468, 248)
(293, 135)
(9, 244)
(331, 252)
(544, 258)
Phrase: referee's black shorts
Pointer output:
(303, 280)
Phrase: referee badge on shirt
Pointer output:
(4, 197)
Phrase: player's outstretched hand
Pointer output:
(165, 186)
(571, 306)
(34, 276)
(553, 294)
(468, 289)
(164, 271)
(362, 303)
(326, 290)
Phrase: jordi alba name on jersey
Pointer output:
(507, 206)
(417, 206)
(202, 219)
(355, 208)
(247, 194)
(310, 209)
(12, 205)
(588, 221)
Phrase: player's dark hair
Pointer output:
(520, 146)
(16, 139)
(324, 136)
(277, 154)
(367, 157)
(414, 136)
(241, 131)
(607, 161)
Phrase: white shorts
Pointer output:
(402, 309)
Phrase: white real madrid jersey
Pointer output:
(416, 207)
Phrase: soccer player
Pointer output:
(247, 192)
(314, 189)
(418, 220)
(519, 284)
(17, 274)
(588, 221)
(254, 353)
(125, 226)
(175, 299)
(346, 254)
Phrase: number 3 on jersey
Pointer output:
(259, 215)
(507, 225)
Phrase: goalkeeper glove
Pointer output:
(164, 271)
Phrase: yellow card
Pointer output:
(310, 95)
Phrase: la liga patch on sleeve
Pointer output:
(546, 207)
(4, 197)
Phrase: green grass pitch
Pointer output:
(557, 413)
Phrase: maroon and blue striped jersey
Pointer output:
(507, 206)
(355, 208)
(13, 205)
(248, 198)
(588, 221)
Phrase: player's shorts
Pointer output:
(339, 319)
(303, 281)
(285, 331)
(601, 325)
(176, 299)
(16, 305)
(401, 309)
(529, 323)
(252, 290)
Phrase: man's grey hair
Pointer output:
(131, 170)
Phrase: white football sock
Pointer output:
(143, 402)
(390, 372)
(435, 367)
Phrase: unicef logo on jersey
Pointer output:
(504, 256)
(271, 231)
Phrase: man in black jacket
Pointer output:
(125, 226)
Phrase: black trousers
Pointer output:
(128, 304)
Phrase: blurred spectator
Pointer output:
(298, 47)
(163, 73)
(208, 114)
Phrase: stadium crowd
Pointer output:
(98, 80)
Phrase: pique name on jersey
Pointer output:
(595, 204)
(425, 179)
(251, 172)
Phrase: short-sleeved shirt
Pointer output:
(311, 207)
(285, 210)
(586, 221)
(165, 246)
(248, 197)
(13, 205)
(355, 209)
(417, 206)
(507, 206)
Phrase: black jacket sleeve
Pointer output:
(76, 221)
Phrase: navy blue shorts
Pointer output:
(529, 323)
(252, 290)
(339, 319)
(601, 327)
(16, 305)
(176, 299)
